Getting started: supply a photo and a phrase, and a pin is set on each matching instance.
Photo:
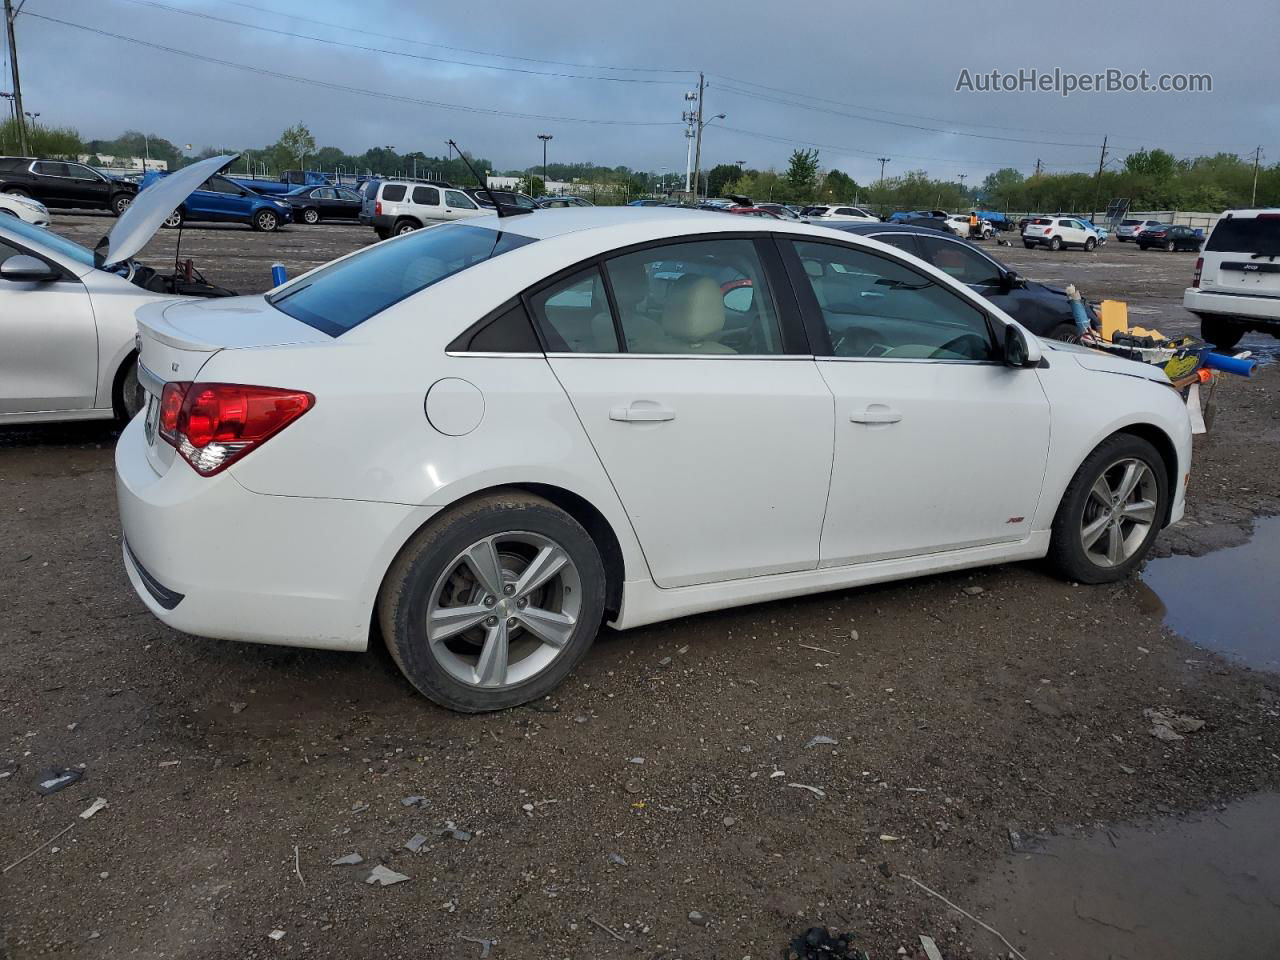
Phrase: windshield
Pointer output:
(50, 240)
(345, 294)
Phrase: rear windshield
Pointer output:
(1130, 223)
(1246, 235)
(1042, 221)
(345, 294)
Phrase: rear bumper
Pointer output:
(211, 558)
(1262, 310)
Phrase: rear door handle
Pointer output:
(876, 413)
(649, 413)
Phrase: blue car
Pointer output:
(221, 199)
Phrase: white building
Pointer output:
(123, 164)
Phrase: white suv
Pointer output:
(1058, 232)
(824, 212)
(1129, 229)
(1236, 287)
(402, 206)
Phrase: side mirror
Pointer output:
(1013, 280)
(21, 268)
(1019, 349)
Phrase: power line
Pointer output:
(348, 28)
(394, 53)
(327, 84)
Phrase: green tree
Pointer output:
(837, 187)
(720, 176)
(536, 187)
(296, 142)
(1001, 184)
(44, 141)
(1157, 164)
(802, 174)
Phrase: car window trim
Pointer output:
(457, 348)
(1000, 270)
(820, 336)
(797, 339)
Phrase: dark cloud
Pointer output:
(888, 62)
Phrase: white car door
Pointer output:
(1073, 232)
(938, 444)
(715, 430)
(48, 341)
(458, 205)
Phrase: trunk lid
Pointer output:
(177, 338)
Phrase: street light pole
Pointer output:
(545, 138)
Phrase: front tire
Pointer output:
(1089, 244)
(1111, 513)
(120, 203)
(493, 604)
(17, 192)
(173, 220)
(128, 397)
(264, 221)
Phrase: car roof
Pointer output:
(868, 229)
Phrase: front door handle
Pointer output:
(648, 413)
(876, 413)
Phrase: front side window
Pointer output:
(456, 198)
(52, 241)
(345, 294)
(877, 308)
(961, 262)
(702, 297)
(574, 314)
(81, 172)
(427, 196)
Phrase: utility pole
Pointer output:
(1097, 190)
(544, 137)
(883, 161)
(1037, 173)
(1257, 157)
(689, 117)
(18, 115)
(697, 150)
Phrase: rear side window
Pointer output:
(1246, 235)
(345, 294)
(508, 332)
(393, 192)
(427, 196)
(574, 314)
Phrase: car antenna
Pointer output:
(502, 209)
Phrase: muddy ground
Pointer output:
(235, 774)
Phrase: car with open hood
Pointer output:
(67, 320)
(491, 437)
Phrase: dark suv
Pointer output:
(61, 183)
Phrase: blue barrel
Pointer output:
(278, 274)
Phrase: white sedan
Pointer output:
(26, 209)
(487, 438)
(68, 333)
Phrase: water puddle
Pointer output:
(1194, 889)
(1227, 600)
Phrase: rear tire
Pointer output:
(1118, 524)
(434, 574)
(311, 216)
(1223, 334)
(128, 396)
(1169, 246)
(405, 226)
(1055, 244)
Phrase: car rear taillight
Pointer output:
(1048, 230)
(212, 425)
(377, 208)
(1195, 280)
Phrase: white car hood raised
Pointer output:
(1103, 362)
(149, 209)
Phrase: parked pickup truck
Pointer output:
(223, 199)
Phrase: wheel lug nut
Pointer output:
(511, 622)
(522, 603)
(489, 601)
(491, 622)
(509, 589)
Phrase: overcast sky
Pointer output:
(896, 61)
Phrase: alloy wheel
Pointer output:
(503, 610)
(311, 216)
(174, 219)
(1119, 512)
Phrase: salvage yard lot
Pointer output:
(645, 789)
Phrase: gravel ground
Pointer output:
(668, 792)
